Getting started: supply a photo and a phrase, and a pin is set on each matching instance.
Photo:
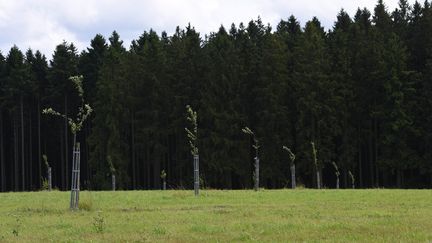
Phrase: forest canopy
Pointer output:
(360, 91)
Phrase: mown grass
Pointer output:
(219, 216)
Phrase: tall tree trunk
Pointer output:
(360, 164)
(133, 151)
(376, 174)
(66, 141)
(2, 158)
(62, 159)
(376, 153)
(431, 180)
(345, 178)
(294, 148)
(39, 145)
(16, 153)
(157, 171)
(87, 149)
(399, 178)
(371, 158)
(178, 156)
(385, 181)
(22, 143)
(157, 162)
(147, 163)
(30, 170)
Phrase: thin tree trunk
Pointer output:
(431, 180)
(293, 176)
(156, 172)
(376, 153)
(228, 179)
(30, 153)
(147, 163)
(315, 161)
(385, 179)
(180, 170)
(66, 142)
(62, 157)
(87, 150)
(371, 162)
(337, 182)
(157, 163)
(360, 164)
(16, 155)
(345, 178)
(376, 175)
(22, 143)
(133, 152)
(39, 145)
(2, 159)
(399, 178)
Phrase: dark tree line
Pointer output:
(360, 91)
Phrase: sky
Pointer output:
(43, 24)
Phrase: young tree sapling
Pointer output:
(163, 177)
(315, 159)
(337, 173)
(292, 166)
(352, 179)
(84, 111)
(112, 171)
(256, 173)
(49, 177)
(192, 117)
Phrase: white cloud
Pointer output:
(43, 24)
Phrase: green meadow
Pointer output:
(218, 216)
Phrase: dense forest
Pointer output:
(362, 92)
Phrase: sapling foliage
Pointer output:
(48, 167)
(337, 173)
(255, 145)
(315, 159)
(192, 135)
(163, 177)
(292, 166)
(352, 179)
(112, 171)
(84, 111)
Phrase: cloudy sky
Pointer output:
(43, 24)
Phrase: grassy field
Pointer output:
(219, 216)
